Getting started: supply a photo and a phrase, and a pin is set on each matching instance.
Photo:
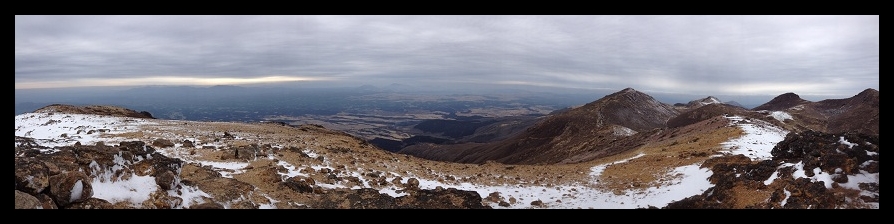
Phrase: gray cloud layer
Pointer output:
(834, 55)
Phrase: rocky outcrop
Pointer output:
(70, 187)
(367, 198)
(65, 175)
(26, 201)
(95, 109)
(63, 178)
(787, 181)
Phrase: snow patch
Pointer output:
(758, 141)
(781, 115)
(191, 195)
(844, 141)
(622, 131)
(710, 100)
(76, 191)
(134, 190)
(60, 129)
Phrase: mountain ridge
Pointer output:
(579, 130)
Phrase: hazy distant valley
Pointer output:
(384, 115)
(391, 116)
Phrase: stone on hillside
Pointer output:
(92, 203)
(397, 181)
(74, 186)
(162, 143)
(161, 200)
(31, 175)
(494, 197)
(27, 201)
(300, 184)
(207, 205)
(412, 183)
(46, 201)
(245, 152)
(166, 180)
(188, 144)
(450, 198)
(138, 148)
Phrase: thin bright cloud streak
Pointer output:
(162, 80)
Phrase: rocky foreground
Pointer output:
(74, 160)
(808, 170)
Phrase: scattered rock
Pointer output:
(27, 201)
(188, 144)
(69, 187)
(166, 180)
(32, 175)
(91, 203)
(412, 183)
(162, 143)
(300, 184)
(208, 205)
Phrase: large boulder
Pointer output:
(27, 201)
(69, 187)
(32, 175)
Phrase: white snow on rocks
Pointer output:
(759, 139)
(59, 129)
(844, 141)
(781, 115)
(826, 177)
(622, 131)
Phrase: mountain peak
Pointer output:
(629, 92)
(789, 95)
(704, 101)
(782, 102)
(868, 92)
(630, 108)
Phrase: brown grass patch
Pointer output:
(651, 169)
(745, 196)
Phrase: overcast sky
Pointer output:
(703, 55)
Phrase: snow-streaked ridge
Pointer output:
(758, 141)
